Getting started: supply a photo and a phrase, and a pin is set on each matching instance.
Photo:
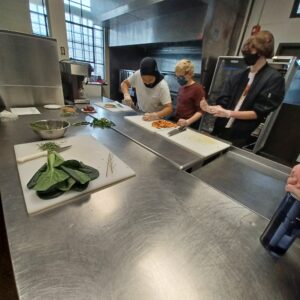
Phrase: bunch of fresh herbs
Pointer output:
(37, 126)
(102, 123)
(49, 146)
(58, 176)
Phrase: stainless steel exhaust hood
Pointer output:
(155, 21)
(216, 24)
(136, 22)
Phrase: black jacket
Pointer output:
(265, 95)
(2, 106)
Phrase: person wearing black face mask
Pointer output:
(248, 96)
(153, 94)
(188, 111)
(250, 59)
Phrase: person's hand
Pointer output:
(150, 116)
(219, 111)
(183, 123)
(212, 109)
(293, 182)
(127, 100)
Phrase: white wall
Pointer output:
(14, 16)
(93, 90)
(275, 17)
(56, 16)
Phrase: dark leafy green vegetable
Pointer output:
(79, 187)
(51, 193)
(67, 184)
(102, 123)
(80, 166)
(58, 159)
(76, 174)
(52, 175)
(59, 176)
(32, 182)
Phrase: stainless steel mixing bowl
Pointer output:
(50, 129)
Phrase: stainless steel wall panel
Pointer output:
(29, 70)
(173, 27)
(28, 59)
(129, 8)
(21, 96)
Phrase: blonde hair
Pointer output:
(263, 42)
(186, 66)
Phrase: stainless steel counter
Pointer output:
(248, 178)
(163, 234)
(176, 155)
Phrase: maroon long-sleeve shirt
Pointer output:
(188, 101)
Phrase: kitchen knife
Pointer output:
(119, 104)
(133, 107)
(39, 154)
(177, 130)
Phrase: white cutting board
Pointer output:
(197, 142)
(84, 148)
(24, 111)
(189, 139)
(118, 106)
(138, 120)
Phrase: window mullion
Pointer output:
(39, 18)
(85, 37)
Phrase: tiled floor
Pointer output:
(7, 283)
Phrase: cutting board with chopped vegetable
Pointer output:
(84, 149)
(189, 139)
(138, 120)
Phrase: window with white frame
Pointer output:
(85, 38)
(39, 17)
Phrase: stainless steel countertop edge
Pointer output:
(180, 167)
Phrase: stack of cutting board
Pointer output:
(188, 139)
(84, 148)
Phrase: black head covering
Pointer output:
(148, 66)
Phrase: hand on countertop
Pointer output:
(150, 116)
(183, 123)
